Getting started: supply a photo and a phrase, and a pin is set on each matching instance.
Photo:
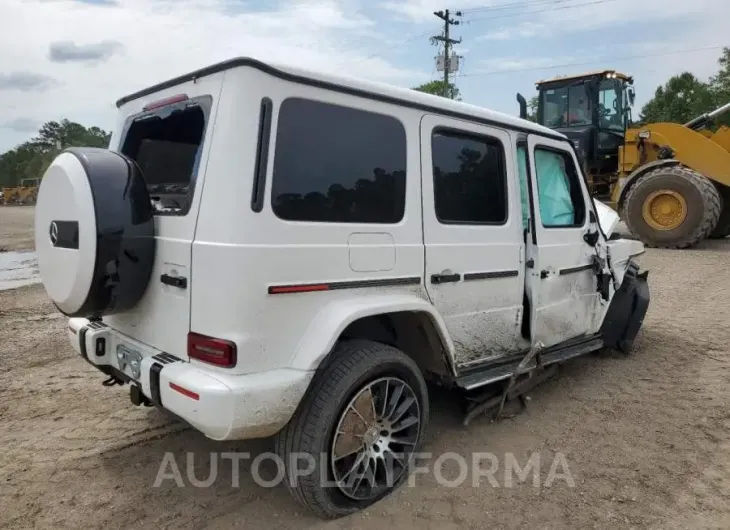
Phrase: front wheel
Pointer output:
(353, 437)
(672, 207)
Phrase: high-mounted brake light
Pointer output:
(212, 351)
(166, 101)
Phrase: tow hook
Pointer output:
(137, 397)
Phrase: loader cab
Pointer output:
(593, 110)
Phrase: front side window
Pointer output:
(469, 178)
(338, 164)
(559, 191)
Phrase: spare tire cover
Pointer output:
(94, 232)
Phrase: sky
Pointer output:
(74, 58)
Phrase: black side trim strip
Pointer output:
(294, 78)
(489, 275)
(385, 282)
(571, 270)
(82, 342)
(332, 286)
(445, 278)
(165, 358)
(155, 370)
(262, 156)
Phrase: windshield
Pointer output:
(611, 105)
(566, 107)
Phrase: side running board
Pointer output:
(493, 374)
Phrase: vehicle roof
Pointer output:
(593, 73)
(359, 87)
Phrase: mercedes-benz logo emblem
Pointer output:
(54, 233)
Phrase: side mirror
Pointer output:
(632, 96)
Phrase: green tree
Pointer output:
(532, 108)
(437, 89)
(679, 100)
(31, 159)
(720, 85)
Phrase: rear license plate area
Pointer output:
(129, 360)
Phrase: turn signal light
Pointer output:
(212, 351)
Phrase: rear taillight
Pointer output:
(213, 351)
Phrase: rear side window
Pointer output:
(166, 143)
(338, 164)
(469, 178)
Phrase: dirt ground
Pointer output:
(16, 228)
(645, 437)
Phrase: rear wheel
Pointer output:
(352, 439)
(672, 207)
(722, 229)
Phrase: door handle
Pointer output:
(175, 281)
(445, 278)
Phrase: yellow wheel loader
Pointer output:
(27, 192)
(669, 182)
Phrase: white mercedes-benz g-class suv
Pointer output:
(264, 250)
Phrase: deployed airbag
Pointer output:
(556, 206)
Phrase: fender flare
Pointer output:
(638, 172)
(330, 321)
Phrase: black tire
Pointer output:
(704, 205)
(352, 366)
(722, 229)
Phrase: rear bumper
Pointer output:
(221, 406)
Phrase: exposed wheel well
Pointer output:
(414, 333)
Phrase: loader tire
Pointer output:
(698, 202)
(722, 230)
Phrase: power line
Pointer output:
(513, 5)
(509, 15)
(416, 36)
(603, 59)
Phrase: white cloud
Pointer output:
(164, 38)
(523, 30)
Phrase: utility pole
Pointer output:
(445, 38)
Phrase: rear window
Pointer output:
(166, 143)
